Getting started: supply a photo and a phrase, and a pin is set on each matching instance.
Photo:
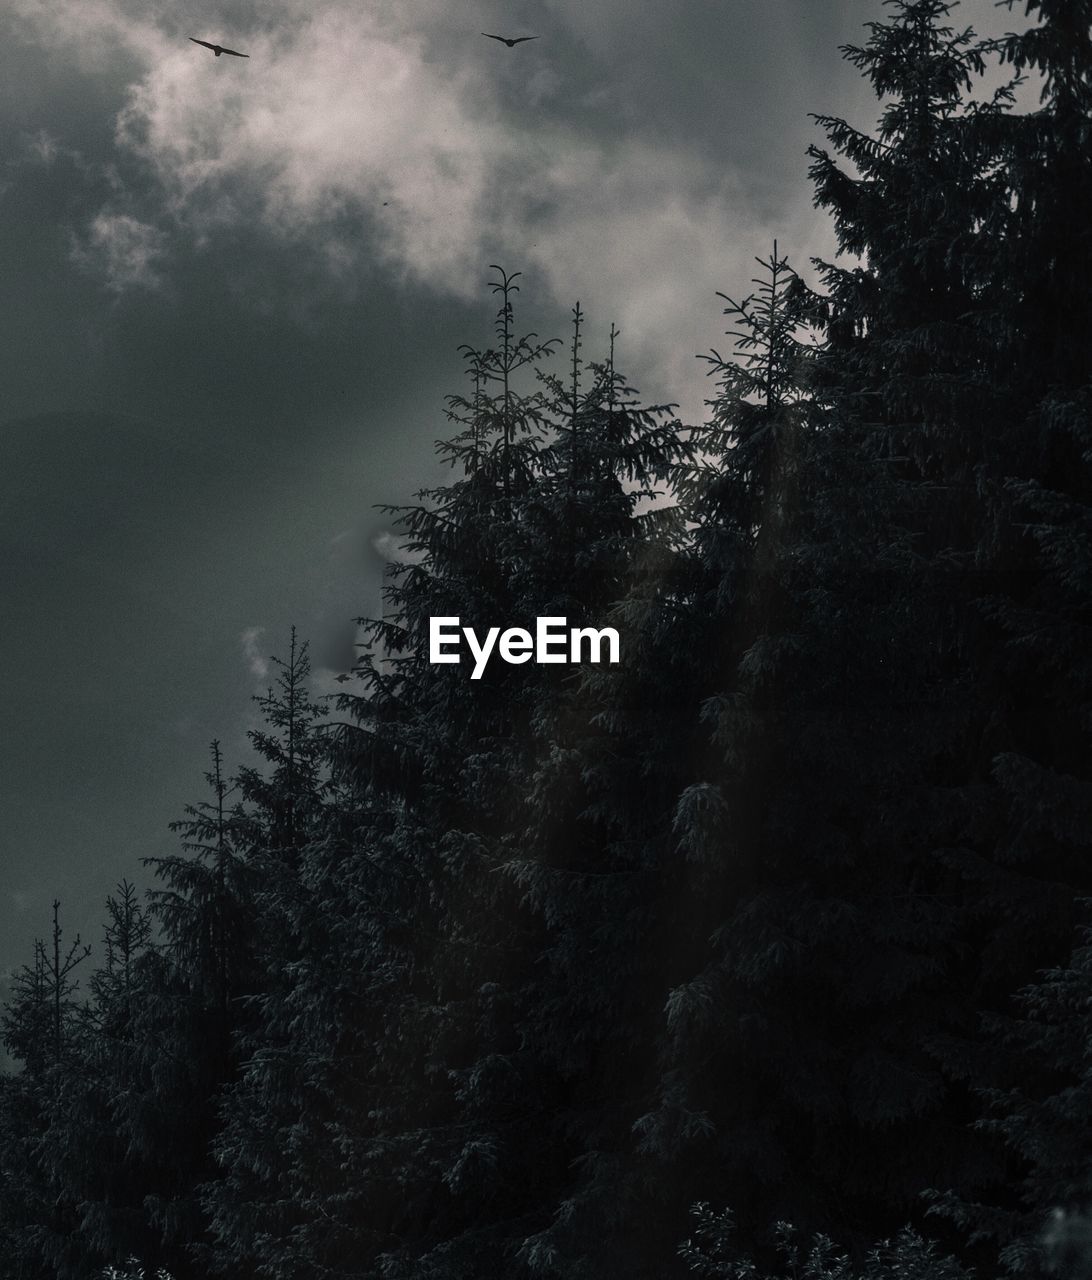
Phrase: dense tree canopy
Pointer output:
(783, 915)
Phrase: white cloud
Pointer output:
(349, 110)
(44, 147)
(255, 659)
(331, 116)
(389, 133)
(392, 548)
(122, 249)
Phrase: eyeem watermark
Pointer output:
(552, 641)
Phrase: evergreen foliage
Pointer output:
(479, 977)
(43, 1028)
(712, 1252)
(1041, 1115)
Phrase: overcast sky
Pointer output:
(231, 293)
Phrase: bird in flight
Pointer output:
(510, 43)
(218, 49)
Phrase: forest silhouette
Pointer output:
(611, 972)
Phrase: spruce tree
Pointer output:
(105, 1175)
(1038, 549)
(439, 1123)
(1039, 1109)
(341, 1133)
(580, 1002)
(177, 1051)
(827, 970)
(727, 644)
(275, 1153)
(45, 1030)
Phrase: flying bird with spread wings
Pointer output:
(510, 43)
(218, 49)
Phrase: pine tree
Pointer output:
(411, 1041)
(44, 1028)
(276, 1153)
(1041, 478)
(442, 774)
(841, 793)
(354, 1048)
(728, 645)
(1038, 546)
(282, 796)
(102, 1173)
(1040, 1111)
(40, 1021)
(177, 1051)
(576, 1004)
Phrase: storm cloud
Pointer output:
(231, 296)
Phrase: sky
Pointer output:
(232, 293)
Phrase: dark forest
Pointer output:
(764, 952)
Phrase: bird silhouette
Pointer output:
(218, 49)
(510, 43)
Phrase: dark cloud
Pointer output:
(231, 295)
